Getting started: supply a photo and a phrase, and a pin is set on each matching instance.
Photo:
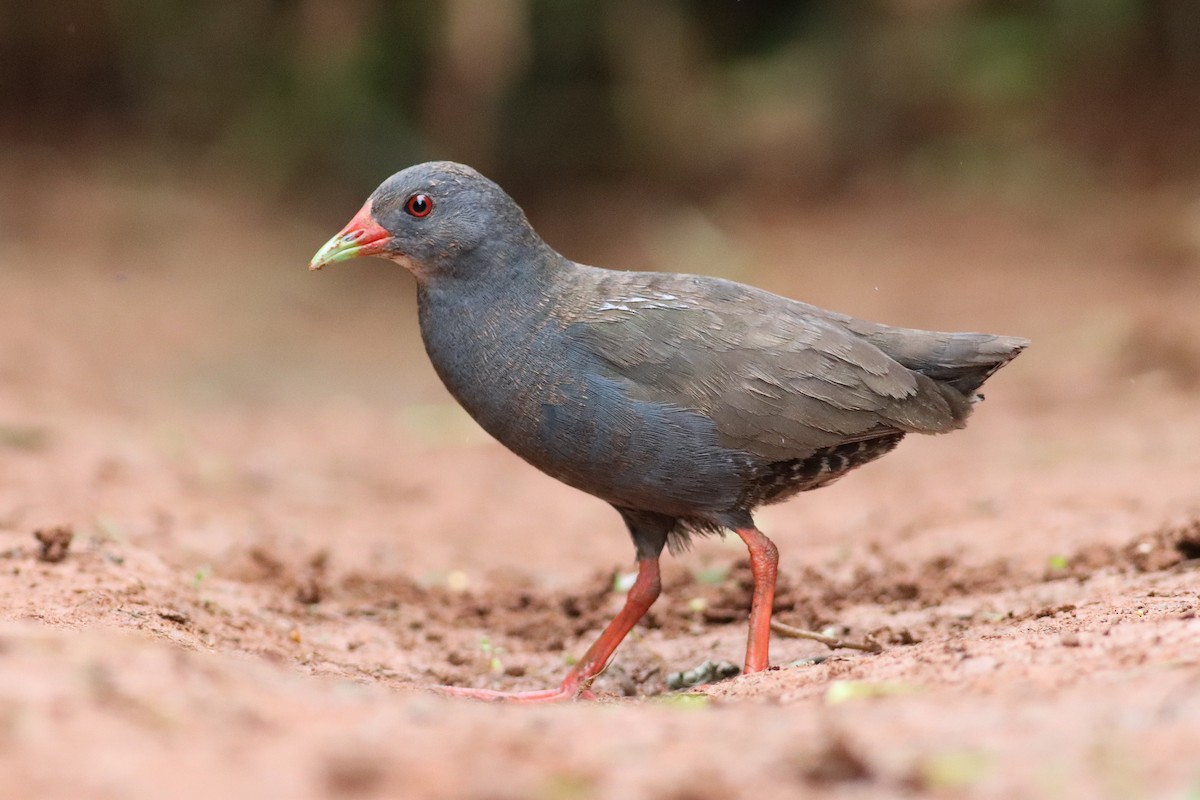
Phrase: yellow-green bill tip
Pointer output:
(362, 236)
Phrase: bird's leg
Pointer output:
(764, 566)
(645, 590)
(642, 594)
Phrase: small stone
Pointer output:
(54, 542)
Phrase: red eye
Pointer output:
(419, 205)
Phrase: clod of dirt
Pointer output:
(309, 590)
(54, 542)
(353, 774)
(306, 580)
(544, 619)
(1164, 548)
(1158, 550)
(310, 586)
(835, 762)
(1051, 611)
(1186, 540)
(270, 567)
(888, 635)
(175, 615)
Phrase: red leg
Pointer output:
(764, 565)
(642, 594)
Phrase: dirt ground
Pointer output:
(265, 531)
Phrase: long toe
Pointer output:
(540, 696)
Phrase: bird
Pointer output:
(684, 401)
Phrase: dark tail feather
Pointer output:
(960, 360)
(966, 360)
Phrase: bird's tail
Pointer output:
(961, 360)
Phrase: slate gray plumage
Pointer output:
(684, 401)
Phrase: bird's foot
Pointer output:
(571, 689)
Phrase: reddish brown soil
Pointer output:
(282, 532)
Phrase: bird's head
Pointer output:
(437, 219)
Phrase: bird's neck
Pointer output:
(484, 285)
(488, 337)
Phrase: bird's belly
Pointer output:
(584, 431)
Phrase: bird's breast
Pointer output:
(531, 386)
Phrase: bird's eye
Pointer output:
(419, 205)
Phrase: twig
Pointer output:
(868, 645)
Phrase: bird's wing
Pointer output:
(776, 379)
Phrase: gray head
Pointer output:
(438, 220)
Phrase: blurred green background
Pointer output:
(167, 169)
(323, 98)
